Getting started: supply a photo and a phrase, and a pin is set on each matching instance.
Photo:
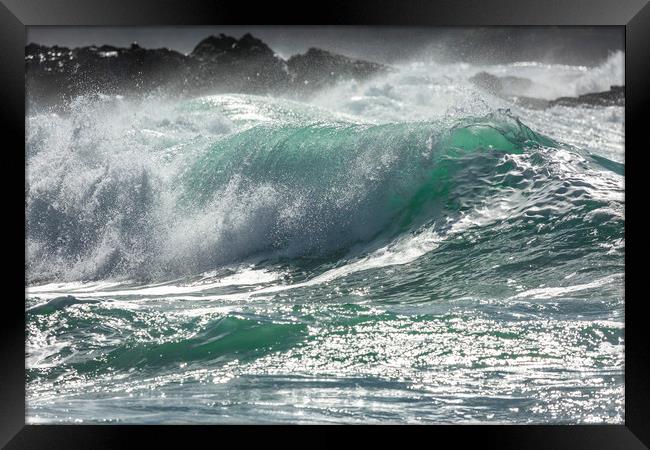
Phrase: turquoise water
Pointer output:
(243, 259)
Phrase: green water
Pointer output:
(301, 266)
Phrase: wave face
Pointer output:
(368, 245)
(139, 209)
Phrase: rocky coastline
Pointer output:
(511, 88)
(217, 64)
(54, 75)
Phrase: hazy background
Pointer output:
(565, 45)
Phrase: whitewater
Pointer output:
(407, 249)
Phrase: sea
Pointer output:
(404, 249)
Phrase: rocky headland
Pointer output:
(217, 64)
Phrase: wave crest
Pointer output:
(167, 203)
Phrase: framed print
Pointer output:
(379, 214)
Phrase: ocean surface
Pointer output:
(408, 249)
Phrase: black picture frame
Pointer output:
(15, 15)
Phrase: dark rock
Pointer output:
(226, 48)
(248, 65)
(55, 74)
(318, 68)
(614, 97)
(217, 64)
(213, 46)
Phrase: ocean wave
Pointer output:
(171, 194)
(398, 238)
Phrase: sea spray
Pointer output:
(134, 204)
(406, 249)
